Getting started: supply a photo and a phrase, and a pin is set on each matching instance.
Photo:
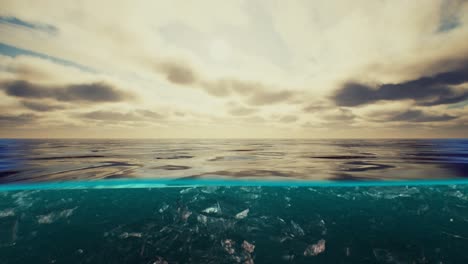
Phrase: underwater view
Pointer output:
(237, 224)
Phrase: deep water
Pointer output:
(367, 224)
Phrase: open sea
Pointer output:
(233, 201)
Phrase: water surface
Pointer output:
(283, 160)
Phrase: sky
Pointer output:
(234, 69)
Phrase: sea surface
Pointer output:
(26, 161)
(233, 201)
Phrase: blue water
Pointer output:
(233, 201)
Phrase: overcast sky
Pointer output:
(234, 69)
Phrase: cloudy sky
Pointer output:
(234, 69)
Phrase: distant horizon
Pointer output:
(233, 138)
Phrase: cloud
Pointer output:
(9, 120)
(90, 92)
(37, 67)
(42, 107)
(241, 111)
(262, 97)
(420, 116)
(93, 92)
(428, 91)
(449, 15)
(288, 119)
(111, 116)
(253, 92)
(315, 107)
(150, 114)
(218, 88)
(264, 56)
(340, 114)
(177, 73)
(131, 116)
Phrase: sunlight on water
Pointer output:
(281, 160)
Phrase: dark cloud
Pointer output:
(17, 120)
(183, 74)
(255, 93)
(24, 89)
(178, 73)
(419, 116)
(93, 92)
(41, 107)
(428, 91)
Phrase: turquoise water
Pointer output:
(233, 201)
(166, 183)
(209, 224)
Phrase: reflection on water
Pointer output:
(79, 159)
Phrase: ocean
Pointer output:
(233, 201)
(27, 161)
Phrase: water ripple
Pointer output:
(78, 159)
